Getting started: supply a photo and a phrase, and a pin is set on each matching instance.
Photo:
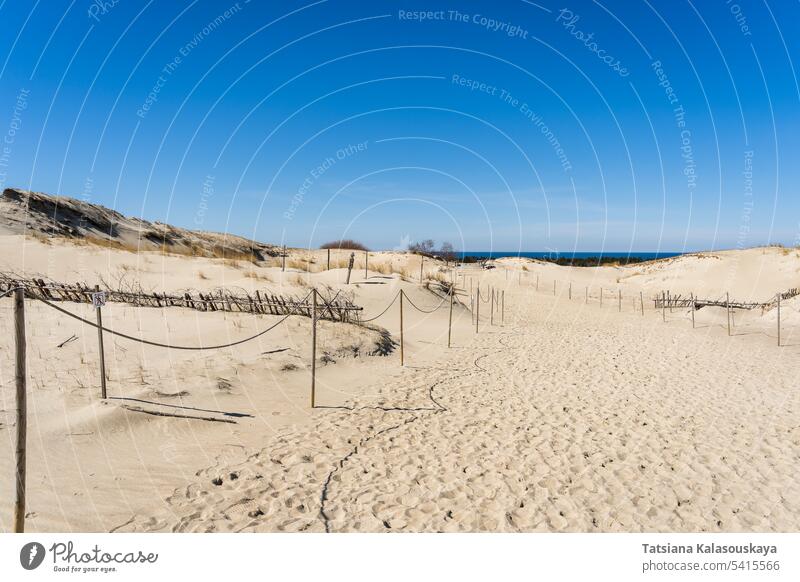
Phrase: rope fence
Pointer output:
(48, 294)
(665, 300)
(163, 345)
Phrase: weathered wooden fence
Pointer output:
(677, 301)
(260, 302)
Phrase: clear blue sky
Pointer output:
(613, 125)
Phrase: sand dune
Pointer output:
(569, 417)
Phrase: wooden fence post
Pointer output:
(663, 306)
(537, 282)
(694, 308)
(728, 310)
(366, 264)
(402, 343)
(329, 259)
(503, 308)
(450, 318)
(619, 295)
(641, 300)
(471, 306)
(477, 308)
(313, 348)
(491, 311)
(421, 264)
(98, 309)
(779, 319)
(22, 409)
(283, 259)
(570, 290)
(350, 266)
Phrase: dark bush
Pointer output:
(351, 245)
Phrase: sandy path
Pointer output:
(569, 418)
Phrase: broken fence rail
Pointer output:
(678, 301)
(336, 309)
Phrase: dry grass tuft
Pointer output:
(251, 274)
(299, 280)
(301, 264)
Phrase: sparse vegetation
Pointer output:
(346, 243)
(424, 247)
(302, 264)
(252, 274)
(299, 280)
(427, 248)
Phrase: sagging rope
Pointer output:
(168, 346)
(422, 310)
(384, 311)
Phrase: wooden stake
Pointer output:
(728, 310)
(366, 264)
(329, 259)
(601, 296)
(503, 308)
(103, 393)
(283, 263)
(570, 289)
(491, 311)
(619, 295)
(641, 300)
(694, 308)
(779, 319)
(477, 308)
(350, 266)
(313, 348)
(471, 306)
(450, 318)
(22, 409)
(537, 282)
(663, 306)
(402, 343)
(421, 263)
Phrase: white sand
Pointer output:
(570, 417)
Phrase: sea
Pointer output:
(553, 255)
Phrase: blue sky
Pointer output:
(580, 125)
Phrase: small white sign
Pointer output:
(99, 299)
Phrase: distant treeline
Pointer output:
(574, 261)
